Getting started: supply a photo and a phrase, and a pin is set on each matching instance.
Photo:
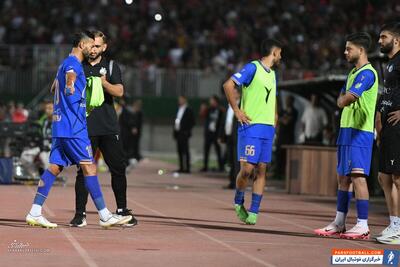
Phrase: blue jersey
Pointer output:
(69, 116)
(349, 136)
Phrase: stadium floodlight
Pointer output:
(158, 17)
(128, 2)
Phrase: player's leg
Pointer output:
(81, 193)
(344, 195)
(390, 191)
(360, 167)
(57, 160)
(111, 148)
(207, 146)
(258, 190)
(35, 217)
(92, 184)
(249, 152)
(392, 237)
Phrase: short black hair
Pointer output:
(268, 44)
(393, 27)
(362, 39)
(79, 36)
(216, 98)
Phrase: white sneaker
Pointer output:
(357, 232)
(39, 221)
(115, 219)
(387, 231)
(392, 238)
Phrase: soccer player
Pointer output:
(257, 119)
(103, 130)
(388, 129)
(71, 144)
(357, 99)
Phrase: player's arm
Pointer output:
(363, 82)
(229, 88)
(115, 86)
(346, 99)
(113, 89)
(244, 77)
(70, 78)
(378, 125)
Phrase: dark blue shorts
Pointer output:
(70, 151)
(254, 150)
(353, 159)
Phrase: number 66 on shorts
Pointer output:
(254, 150)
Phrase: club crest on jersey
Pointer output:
(390, 68)
(103, 71)
(358, 85)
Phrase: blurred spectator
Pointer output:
(228, 135)
(314, 120)
(286, 133)
(203, 34)
(19, 114)
(137, 124)
(212, 124)
(183, 124)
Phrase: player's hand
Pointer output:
(103, 80)
(394, 117)
(69, 91)
(242, 117)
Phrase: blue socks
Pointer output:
(93, 186)
(343, 201)
(239, 197)
(362, 209)
(255, 203)
(45, 184)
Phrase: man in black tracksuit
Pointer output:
(103, 131)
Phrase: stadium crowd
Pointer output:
(209, 34)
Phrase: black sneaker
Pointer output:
(127, 212)
(79, 220)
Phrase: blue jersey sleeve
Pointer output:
(245, 76)
(73, 65)
(363, 81)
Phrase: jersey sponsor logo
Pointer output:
(392, 162)
(358, 85)
(249, 150)
(362, 78)
(387, 103)
(238, 75)
(387, 90)
(82, 105)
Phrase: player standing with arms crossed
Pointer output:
(257, 117)
(355, 139)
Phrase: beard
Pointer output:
(94, 57)
(353, 60)
(387, 48)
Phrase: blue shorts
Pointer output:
(70, 151)
(353, 159)
(254, 150)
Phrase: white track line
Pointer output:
(279, 219)
(82, 252)
(255, 259)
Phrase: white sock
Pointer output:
(393, 220)
(104, 214)
(363, 223)
(396, 221)
(340, 218)
(36, 210)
